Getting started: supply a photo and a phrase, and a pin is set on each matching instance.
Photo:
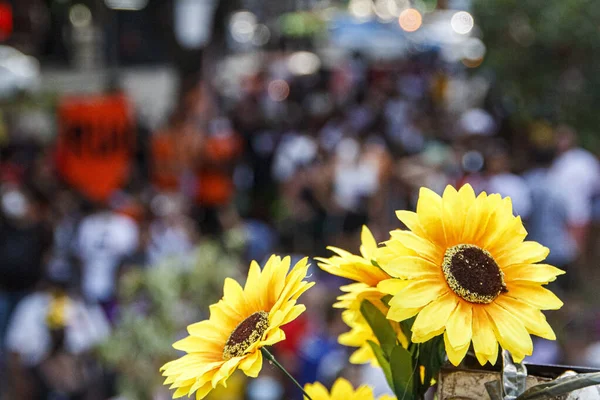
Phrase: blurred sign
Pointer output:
(95, 144)
(6, 20)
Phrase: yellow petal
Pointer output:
(475, 218)
(484, 339)
(451, 216)
(524, 253)
(459, 327)
(419, 245)
(276, 336)
(411, 267)
(419, 293)
(234, 294)
(180, 392)
(533, 319)
(341, 389)
(500, 221)
(534, 294)
(316, 391)
(368, 244)
(400, 314)
(392, 286)
(411, 220)
(252, 364)
(429, 210)
(455, 355)
(433, 317)
(513, 234)
(541, 273)
(203, 391)
(511, 332)
(362, 356)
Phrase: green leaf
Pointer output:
(431, 355)
(381, 327)
(386, 299)
(403, 370)
(406, 326)
(561, 386)
(383, 362)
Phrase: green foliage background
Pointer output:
(156, 304)
(545, 56)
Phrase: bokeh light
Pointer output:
(303, 63)
(361, 9)
(473, 52)
(80, 16)
(242, 26)
(410, 20)
(278, 90)
(261, 35)
(462, 22)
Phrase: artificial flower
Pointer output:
(240, 324)
(341, 390)
(360, 332)
(466, 271)
(364, 270)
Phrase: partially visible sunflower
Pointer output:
(240, 324)
(364, 270)
(359, 268)
(360, 332)
(341, 390)
(467, 272)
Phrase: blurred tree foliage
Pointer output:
(155, 306)
(546, 59)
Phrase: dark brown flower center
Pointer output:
(472, 273)
(248, 332)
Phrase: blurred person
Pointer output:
(501, 180)
(103, 239)
(171, 232)
(220, 153)
(24, 244)
(174, 150)
(50, 339)
(576, 174)
(548, 223)
(355, 180)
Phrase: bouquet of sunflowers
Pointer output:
(460, 277)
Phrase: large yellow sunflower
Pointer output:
(367, 274)
(467, 272)
(341, 390)
(240, 324)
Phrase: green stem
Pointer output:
(272, 359)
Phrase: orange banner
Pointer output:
(95, 143)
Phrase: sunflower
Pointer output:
(359, 268)
(364, 270)
(466, 272)
(240, 324)
(360, 331)
(341, 390)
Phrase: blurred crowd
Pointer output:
(295, 162)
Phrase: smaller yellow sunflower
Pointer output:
(360, 332)
(354, 267)
(341, 390)
(368, 275)
(240, 324)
